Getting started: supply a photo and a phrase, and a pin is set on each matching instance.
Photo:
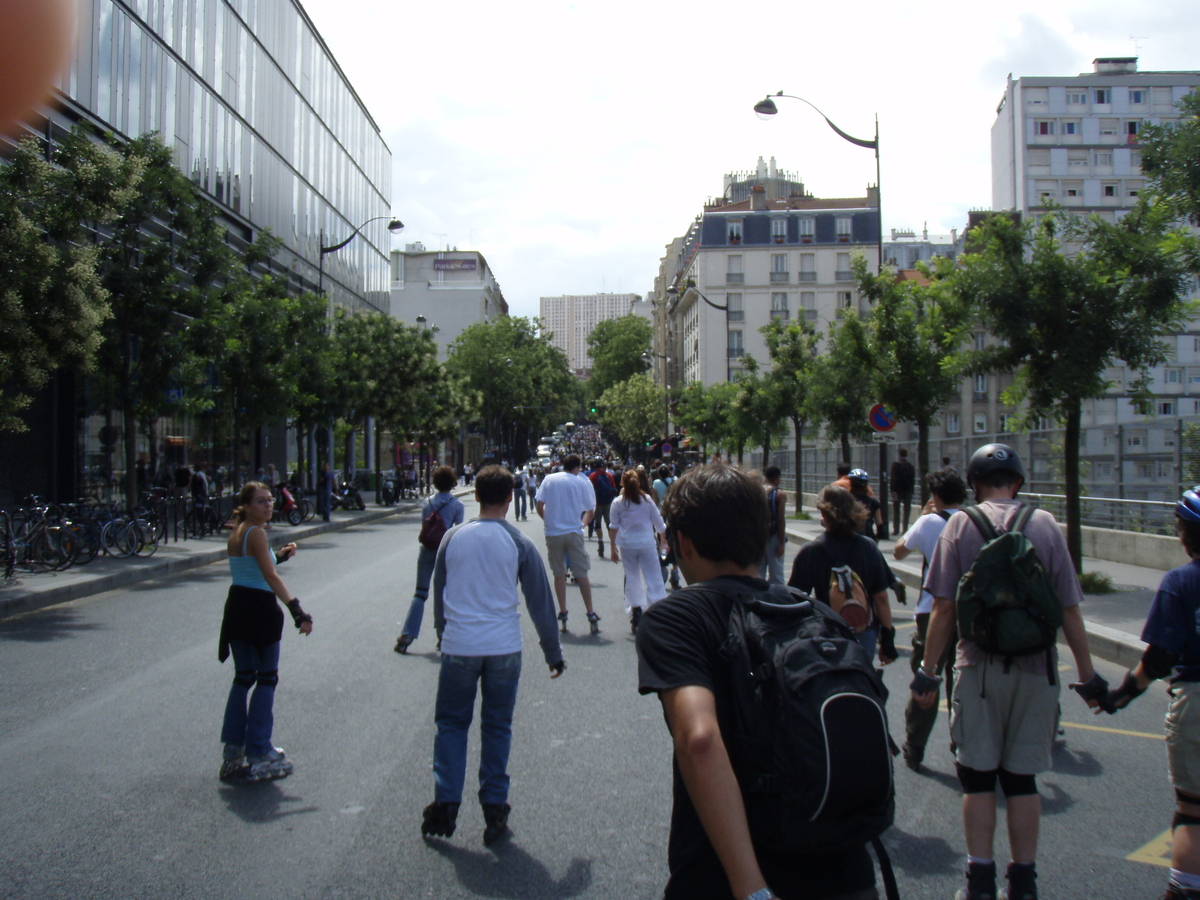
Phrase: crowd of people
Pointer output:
(724, 529)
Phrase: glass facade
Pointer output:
(260, 117)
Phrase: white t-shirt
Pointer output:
(567, 497)
(923, 537)
(636, 523)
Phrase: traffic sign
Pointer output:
(882, 437)
(880, 419)
(666, 449)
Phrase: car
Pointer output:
(544, 461)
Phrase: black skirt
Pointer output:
(251, 615)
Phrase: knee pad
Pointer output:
(1184, 797)
(1184, 819)
(975, 782)
(244, 679)
(268, 679)
(1015, 785)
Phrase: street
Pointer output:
(109, 742)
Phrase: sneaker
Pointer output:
(271, 765)
(233, 762)
(402, 643)
(1022, 885)
(562, 621)
(981, 884)
(439, 819)
(675, 583)
(913, 756)
(495, 818)
(601, 551)
(1177, 892)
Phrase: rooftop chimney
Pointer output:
(758, 197)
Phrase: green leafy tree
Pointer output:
(52, 299)
(702, 412)
(793, 351)
(632, 409)
(618, 349)
(759, 409)
(916, 338)
(1068, 298)
(1171, 159)
(843, 381)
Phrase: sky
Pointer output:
(569, 143)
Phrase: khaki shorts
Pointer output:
(1183, 737)
(1012, 727)
(561, 546)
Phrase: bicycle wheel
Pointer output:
(308, 510)
(87, 545)
(53, 548)
(123, 541)
(147, 537)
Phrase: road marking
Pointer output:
(1155, 853)
(907, 625)
(1141, 734)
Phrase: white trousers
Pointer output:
(643, 577)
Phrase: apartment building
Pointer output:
(571, 318)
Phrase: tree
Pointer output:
(1068, 298)
(1171, 159)
(632, 409)
(793, 351)
(618, 349)
(842, 383)
(916, 338)
(758, 410)
(53, 303)
(702, 412)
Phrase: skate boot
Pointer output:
(1022, 884)
(913, 756)
(402, 643)
(594, 622)
(562, 622)
(601, 550)
(1175, 892)
(271, 765)
(634, 618)
(981, 883)
(233, 762)
(495, 818)
(439, 819)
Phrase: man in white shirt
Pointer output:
(948, 493)
(566, 504)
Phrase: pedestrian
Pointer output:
(199, 485)
(716, 518)
(860, 487)
(1010, 702)
(477, 616)
(605, 487)
(636, 527)
(903, 479)
(566, 503)
(1172, 637)
(325, 491)
(843, 478)
(272, 478)
(662, 483)
(844, 560)
(947, 493)
(531, 485)
(251, 630)
(771, 565)
(519, 496)
(452, 512)
(183, 480)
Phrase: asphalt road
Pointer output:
(110, 713)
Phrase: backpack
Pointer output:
(807, 730)
(1005, 602)
(847, 593)
(433, 528)
(603, 484)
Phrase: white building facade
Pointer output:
(571, 318)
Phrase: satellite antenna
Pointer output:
(1137, 42)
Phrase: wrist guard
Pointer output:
(299, 616)
(1095, 688)
(1120, 698)
(560, 666)
(925, 684)
(887, 642)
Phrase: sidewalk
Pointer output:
(1113, 621)
(25, 592)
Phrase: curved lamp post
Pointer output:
(766, 108)
(649, 356)
(674, 292)
(394, 226)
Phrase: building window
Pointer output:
(1162, 469)
(981, 385)
(808, 267)
(1133, 440)
(1045, 127)
(1102, 158)
(981, 423)
(1166, 407)
(735, 231)
(1070, 128)
(733, 269)
(1131, 130)
(807, 230)
(843, 272)
(808, 302)
(779, 230)
(1103, 95)
(779, 305)
(1137, 96)
(734, 313)
(1144, 470)
(1007, 421)
(980, 342)
(953, 426)
(779, 269)
(1102, 470)
(735, 344)
(843, 229)
(1173, 376)
(1079, 97)
(845, 299)
(1110, 190)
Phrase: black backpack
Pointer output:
(807, 730)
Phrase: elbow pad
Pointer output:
(1158, 663)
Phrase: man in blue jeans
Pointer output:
(476, 612)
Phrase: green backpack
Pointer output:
(1005, 601)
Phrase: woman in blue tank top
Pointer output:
(251, 630)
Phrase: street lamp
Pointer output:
(674, 292)
(766, 108)
(648, 356)
(395, 226)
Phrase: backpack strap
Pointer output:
(891, 891)
(982, 522)
(1024, 514)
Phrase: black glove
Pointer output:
(925, 684)
(901, 592)
(299, 616)
(1120, 698)
(887, 643)
(1095, 688)
(559, 667)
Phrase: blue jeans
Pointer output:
(251, 726)
(498, 677)
(868, 639)
(770, 567)
(416, 610)
(518, 502)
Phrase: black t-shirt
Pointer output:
(814, 561)
(678, 644)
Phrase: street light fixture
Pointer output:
(674, 292)
(647, 355)
(395, 226)
(766, 108)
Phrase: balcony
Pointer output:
(779, 314)
(808, 276)
(810, 315)
(734, 277)
(979, 395)
(735, 315)
(843, 276)
(779, 278)
(734, 353)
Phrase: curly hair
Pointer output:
(842, 514)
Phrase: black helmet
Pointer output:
(859, 475)
(994, 458)
(1188, 507)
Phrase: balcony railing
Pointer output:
(808, 276)
(843, 276)
(779, 277)
(734, 277)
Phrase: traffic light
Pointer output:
(595, 407)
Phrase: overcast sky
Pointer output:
(570, 142)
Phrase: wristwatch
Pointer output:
(762, 894)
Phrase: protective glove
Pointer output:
(299, 616)
(1120, 698)
(925, 684)
(1095, 688)
(887, 645)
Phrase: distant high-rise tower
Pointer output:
(572, 317)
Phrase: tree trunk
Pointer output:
(301, 468)
(923, 459)
(128, 424)
(741, 445)
(799, 425)
(845, 446)
(1071, 467)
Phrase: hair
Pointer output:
(598, 464)
(772, 473)
(643, 480)
(841, 513)
(722, 510)
(946, 461)
(663, 472)
(631, 486)
(571, 463)
(245, 496)
(947, 485)
(493, 485)
(843, 469)
(444, 478)
(1000, 478)
(1189, 533)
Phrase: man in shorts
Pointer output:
(1005, 711)
(606, 490)
(566, 503)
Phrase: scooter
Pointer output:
(387, 494)
(347, 497)
(287, 508)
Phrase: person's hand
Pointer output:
(925, 688)
(558, 668)
(306, 627)
(286, 552)
(1094, 691)
(887, 646)
(928, 509)
(779, 550)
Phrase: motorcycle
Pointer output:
(347, 497)
(287, 507)
(389, 492)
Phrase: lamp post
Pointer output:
(395, 226)
(766, 108)
(649, 356)
(674, 292)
